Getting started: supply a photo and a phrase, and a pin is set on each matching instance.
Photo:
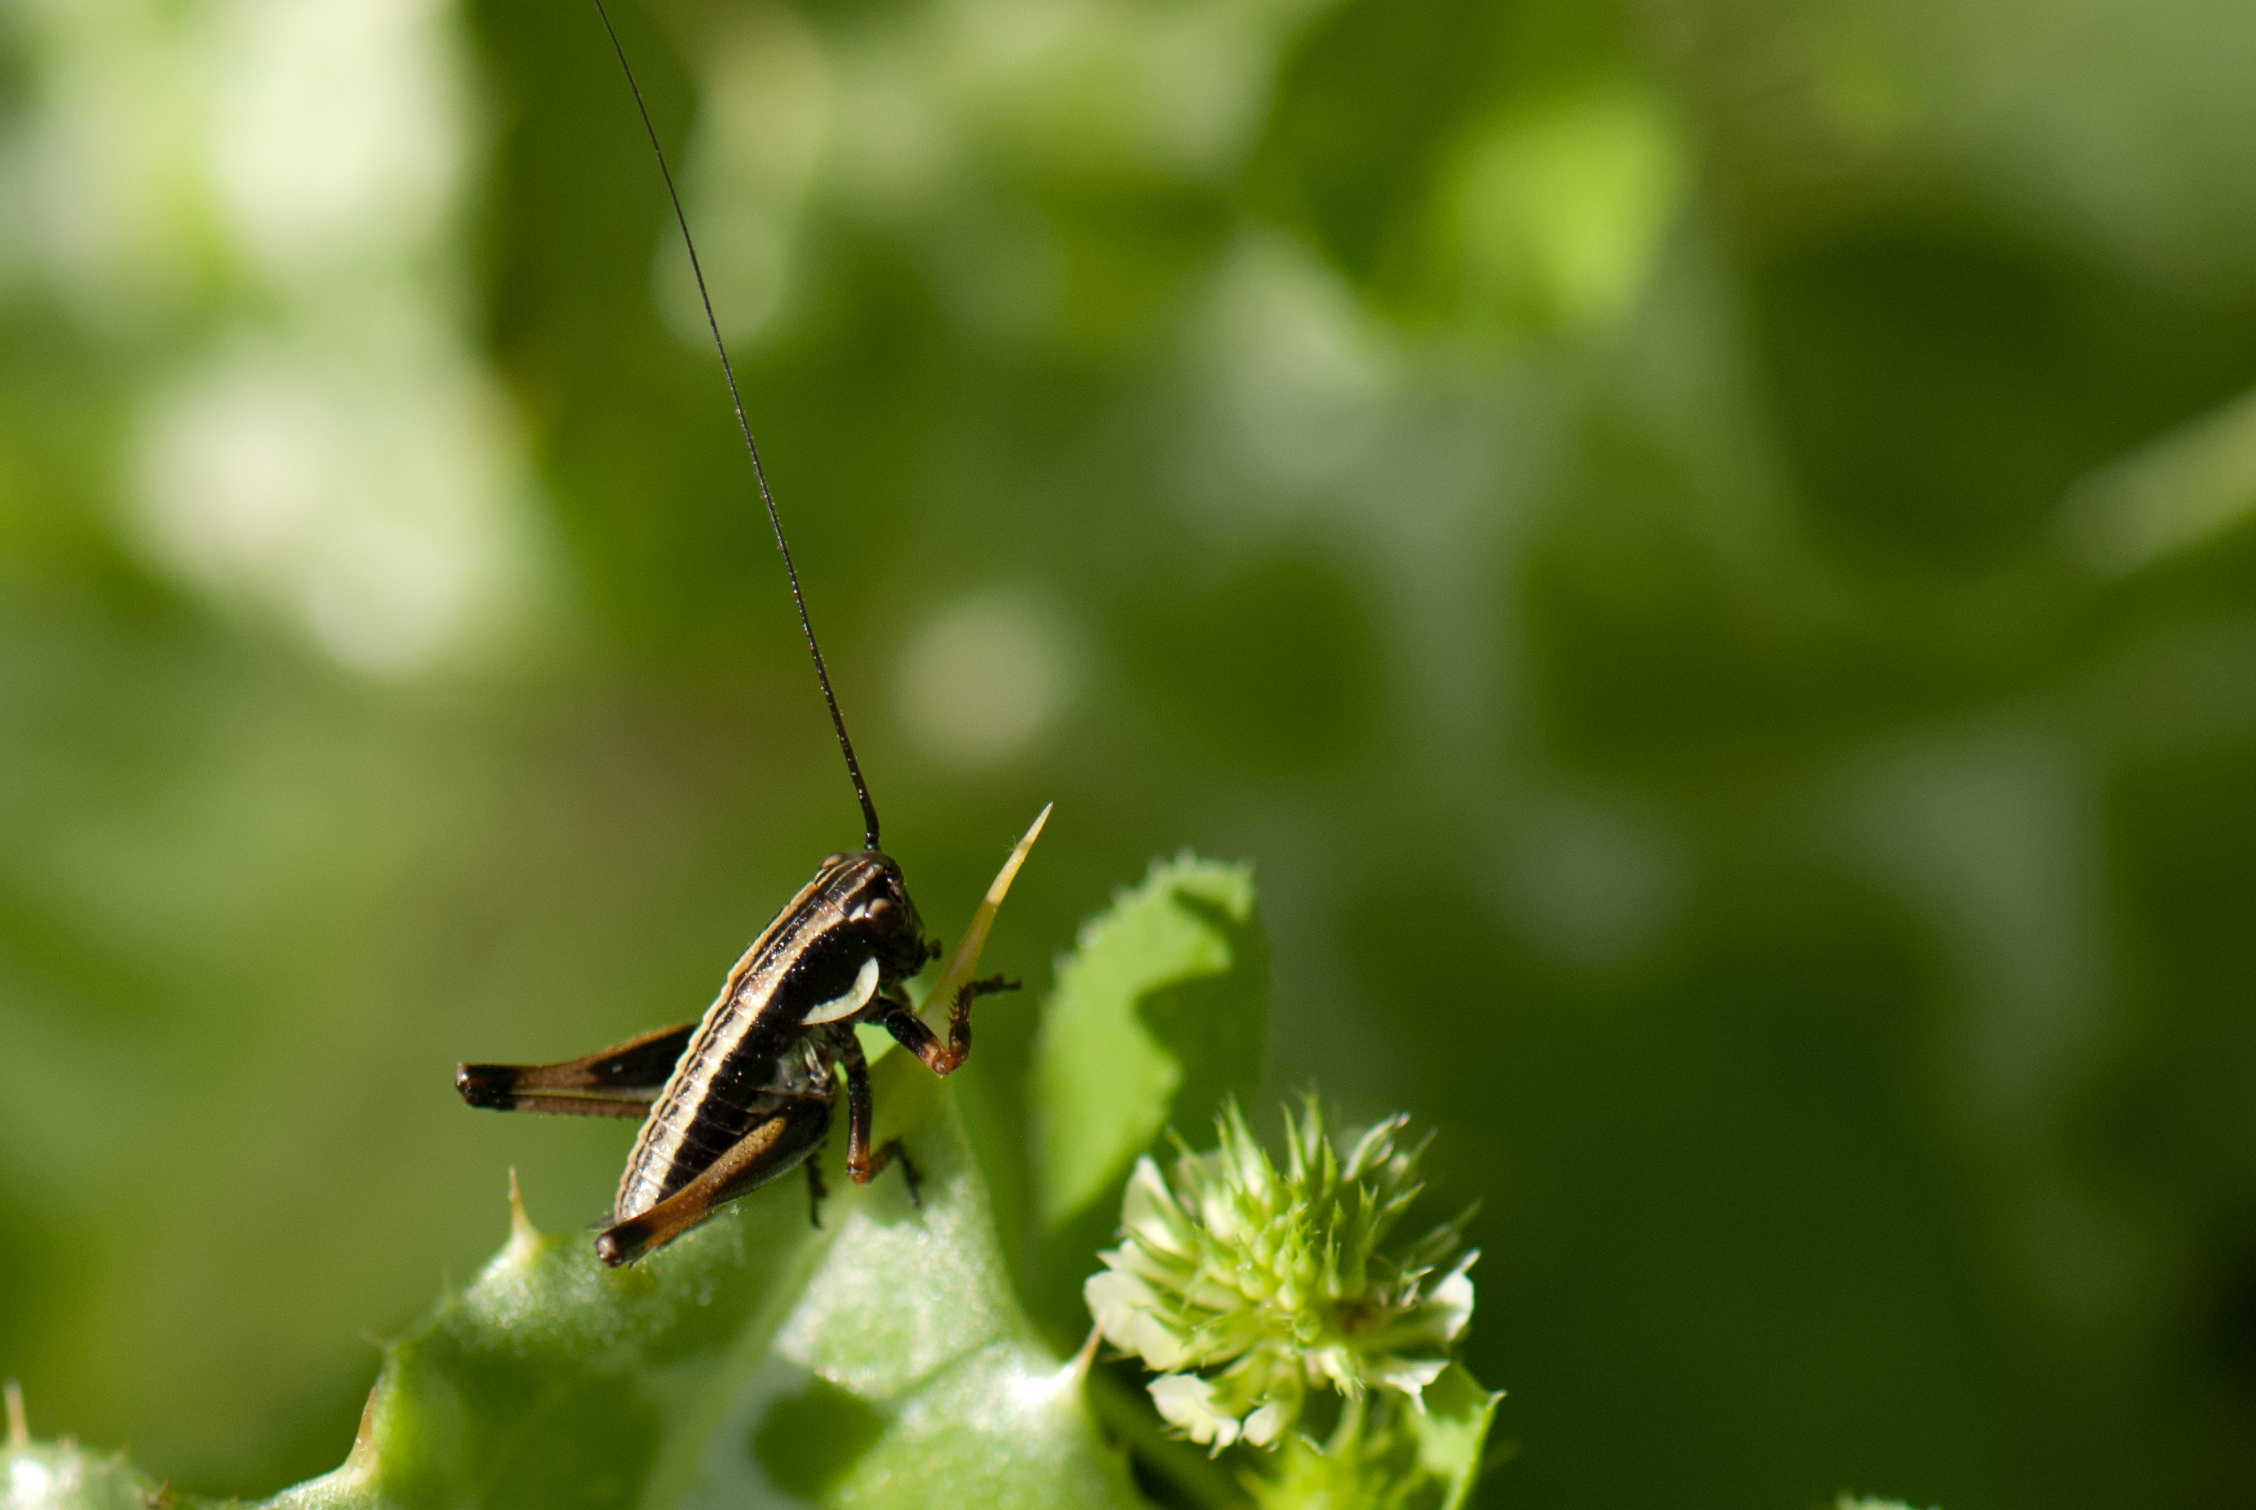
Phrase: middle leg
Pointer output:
(861, 1163)
(815, 1189)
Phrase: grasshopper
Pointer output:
(732, 1101)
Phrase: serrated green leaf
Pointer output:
(883, 1359)
(753, 1362)
(1160, 1013)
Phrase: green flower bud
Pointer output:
(1245, 1286)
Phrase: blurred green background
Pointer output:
(1698, 544)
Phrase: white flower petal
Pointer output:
(1145, 1263)
(1453, 1297)
(1266, 1425)
(1338, 1365)
(1409, 1375)
(1148, 1210)
(1116, 1302)
(1158, 1344)
(1187, 1402)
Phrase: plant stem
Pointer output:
(1350, 1425)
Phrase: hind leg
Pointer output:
(620, 1081)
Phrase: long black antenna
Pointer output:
(751, 448)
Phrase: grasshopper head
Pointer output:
(880, 902)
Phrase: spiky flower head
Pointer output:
(1245, 1285)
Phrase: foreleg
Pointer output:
(944, 1058)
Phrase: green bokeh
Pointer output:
(1619, 512)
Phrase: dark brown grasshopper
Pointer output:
(734, 1100)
